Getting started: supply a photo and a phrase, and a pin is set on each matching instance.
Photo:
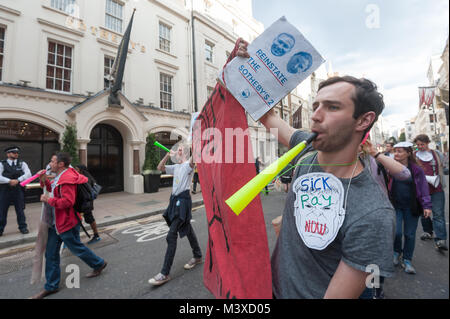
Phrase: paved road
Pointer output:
(135, 252)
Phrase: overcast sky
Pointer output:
(394, 51)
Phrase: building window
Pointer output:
(109, 62)
(2, 50)
(67, 6)
(59, 67)
(165, 91)
(209, 51)
(114, 15)
(164, 37)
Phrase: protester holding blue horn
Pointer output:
(338, 225)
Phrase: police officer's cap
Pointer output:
(12, 149)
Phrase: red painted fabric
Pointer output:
(237, 263)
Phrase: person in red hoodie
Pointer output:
(65, 226)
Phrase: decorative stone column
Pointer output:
(82, 150)
(136, 157)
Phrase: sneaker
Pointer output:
(94, 240)
(396, 259)
(159, 279)
(409, 269)
(192, 262)
(441, 245)
(426, 236)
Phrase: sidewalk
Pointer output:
(109, 209)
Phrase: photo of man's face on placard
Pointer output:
(282, 44)
(299, 62)
(318, 207)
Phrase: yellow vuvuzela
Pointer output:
(239, 200)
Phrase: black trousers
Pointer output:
(171, 239)
(16, 195)
(195, 181)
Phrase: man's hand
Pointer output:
(44, 198)
(242, 51)
(13, 182)
(427, 213)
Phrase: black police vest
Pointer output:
(12, 171)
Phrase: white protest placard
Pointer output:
(318, 208)
(280, 58)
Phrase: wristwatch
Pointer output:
(377, 155)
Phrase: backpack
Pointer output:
(84, 201)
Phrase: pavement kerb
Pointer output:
(20, 239)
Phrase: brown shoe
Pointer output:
(44, 293)
(96, 272)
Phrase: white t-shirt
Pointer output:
(182, 177)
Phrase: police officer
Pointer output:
(12, 172)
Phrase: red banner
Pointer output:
(237, 263)
(426, 96)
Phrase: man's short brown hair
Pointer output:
(422, 138)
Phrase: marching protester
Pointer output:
(88, 216)
(65, 225)
(431, 162)
(12, 172)
(344, 109)
(178, 214)
(389, 149)
(411, 199)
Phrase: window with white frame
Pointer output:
(164, 37)
(114, 15)
(2, 50)
(165, 91)
(67, 6)
(59, 67)
(209, 50)
(108, 64)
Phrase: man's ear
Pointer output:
(364, 121)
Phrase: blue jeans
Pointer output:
(71, 239)
(437, 223)
(406, 225)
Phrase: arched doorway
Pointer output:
(105, 157)
(37, 143)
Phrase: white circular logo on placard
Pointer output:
(318, 208)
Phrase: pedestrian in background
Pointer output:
(431, 162)
(88, 216)
(411, 199)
